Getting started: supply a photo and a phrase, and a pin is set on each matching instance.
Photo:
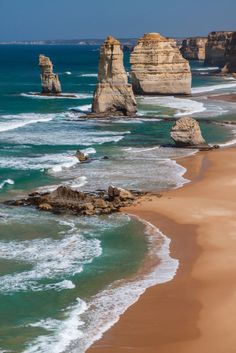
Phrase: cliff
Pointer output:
(216, 45)
(50, 81)
(113, 94)
(230, 56)
(194, 48)
(158, 67)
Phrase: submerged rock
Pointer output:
(216, 45)
(158, 67)
(194, 48)
(113, 94)
(50, 81)
(186, 132)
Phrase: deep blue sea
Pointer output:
(65, 280)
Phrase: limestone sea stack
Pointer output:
(50, 81)
(186, 132)
(230, 56)
(194, 48)
(113, 94)
(216, 45)
(158, 67)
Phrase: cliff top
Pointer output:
(220, 32)
(153, 37)
(44, 60)
(111, 41)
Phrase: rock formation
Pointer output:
(158, 67)
(67, 200)
(81, 156)
(50, 81)
(113, 94)
(194, 48)
(230, 56)
(216, 45)
(186, 132)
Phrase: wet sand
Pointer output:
(224, 97)
(196, 311)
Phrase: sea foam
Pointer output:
(34, 95)
(183, 106)
(12, 122)
(105, 308)
(211, 88)
(6, 182)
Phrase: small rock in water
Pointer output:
(81, 156)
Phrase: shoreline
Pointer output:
(169, 317)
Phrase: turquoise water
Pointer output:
(63, 281)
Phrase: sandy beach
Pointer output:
(196, 311)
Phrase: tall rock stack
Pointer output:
(158, 67)
(50, 81)
(217, 43)
(113, 94)
(194, 48)
(230, 56)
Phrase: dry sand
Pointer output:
(196, 311)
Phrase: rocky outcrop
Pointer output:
(67, 200)
(81, 156)
(230, 56)
(50, 81)
(216, 45)
(158, 67)
(194, 48)
(186, 132)
(113, 94)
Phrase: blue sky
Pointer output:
(72, 19)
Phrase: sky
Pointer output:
(77, 19)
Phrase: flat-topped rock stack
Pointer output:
(230, 56)
(159, 68)
(216, 46)
(113, 93)
(50, 81)
(194, 48)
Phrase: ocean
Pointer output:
(65, 280)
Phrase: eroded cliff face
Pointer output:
(216, 45)
(50, 81)
(158, 67)
(113, 94)
(194, 48)
(230, 56)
